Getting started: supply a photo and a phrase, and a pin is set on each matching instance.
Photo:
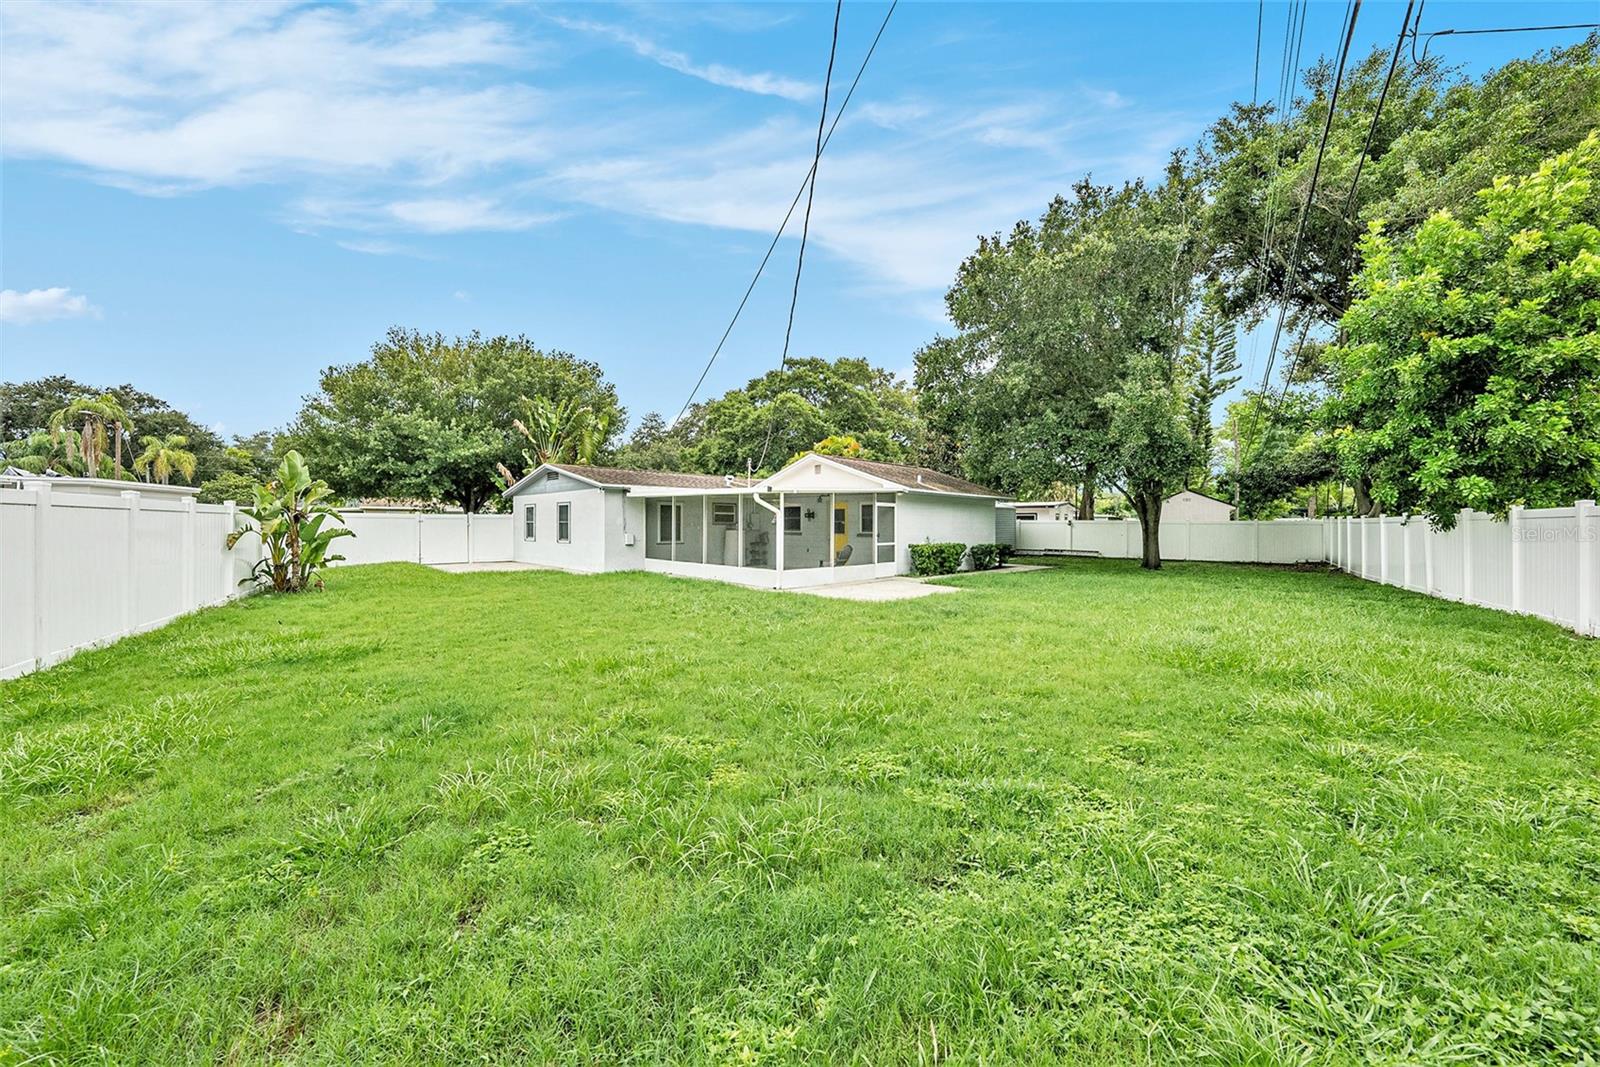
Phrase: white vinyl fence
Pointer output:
(1278, 541)
(1543, 562)
(81, 569)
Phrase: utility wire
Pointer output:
(1305, 209)
(1349, 201)
(1428, 39)
(1255, 86)
(805, 227)
(804, 184)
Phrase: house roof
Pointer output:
(623, 478)
(925, 478)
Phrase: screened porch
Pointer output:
(834, 536)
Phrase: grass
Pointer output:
(1089, 814)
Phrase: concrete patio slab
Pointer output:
(878, 589)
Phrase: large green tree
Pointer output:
(1471, 373)
(783, 412)
(1440, 138)
(432, 417)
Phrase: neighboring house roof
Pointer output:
(925, 478)
(1203, 496)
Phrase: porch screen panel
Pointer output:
(722, 536)
(690, 547)
(660, 526)
(859, 514)
(760, 535)
(885, 533)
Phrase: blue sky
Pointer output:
(217, 202)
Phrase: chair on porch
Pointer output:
(844, 555)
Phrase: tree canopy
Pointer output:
(1471, 372)
(431, 417)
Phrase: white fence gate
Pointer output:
(81, 569)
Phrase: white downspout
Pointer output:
(777, 528)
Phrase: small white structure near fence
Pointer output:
(84, 568)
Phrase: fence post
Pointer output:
(230, 515)
(1427, 558)
(1516, 558)
(41, 539)
(1587, 534)
(1383, 549)
(186, 579)
(130, 573)
(419, 537)
(1405, 552)
(469, 537)
(1465, 522)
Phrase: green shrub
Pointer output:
(1006, 552)
(940, 557)
(985, 557)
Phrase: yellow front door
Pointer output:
(841, 529)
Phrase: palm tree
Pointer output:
(163, 455)
(104, 421)
(42, 451)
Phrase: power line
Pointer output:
(805, 225)
(1349, 202)
(1255, 86)
(1428, 39)
(1305, 209)
(804, 184)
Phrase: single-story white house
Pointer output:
(1190, 506)
(821, 519)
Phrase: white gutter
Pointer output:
(777, 527)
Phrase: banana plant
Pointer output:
(292, 517)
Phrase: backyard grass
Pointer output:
(1088, 814)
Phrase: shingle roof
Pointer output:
(916, 477)
(670, 479)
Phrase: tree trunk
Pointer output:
(116, 449)
(1362, 487)
(1086, 501)
(1148, 507)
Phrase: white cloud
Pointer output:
(458, 216)
(42, 305)
(462, 295)
(170, 97)
(760, 82)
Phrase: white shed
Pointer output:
(1190, 506)
(821, 519)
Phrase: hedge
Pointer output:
(940, 557)
(985, 557)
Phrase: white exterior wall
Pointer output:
(1189, 506)
(586, 551)
(923, 518)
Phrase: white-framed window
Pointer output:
(669, 523)
(564, 522)
(791, 518)
(530, 524)
(724, 513)
(867, 511)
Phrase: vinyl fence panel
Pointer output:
(80, 569)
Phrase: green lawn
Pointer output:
(1089, 814)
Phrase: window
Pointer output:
(724, 513)
(866, 518)
(551, 476)
(1027, 517)
(791, 518)
(564, 522)
(530, 528)
(839, 524)
(669, 524)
